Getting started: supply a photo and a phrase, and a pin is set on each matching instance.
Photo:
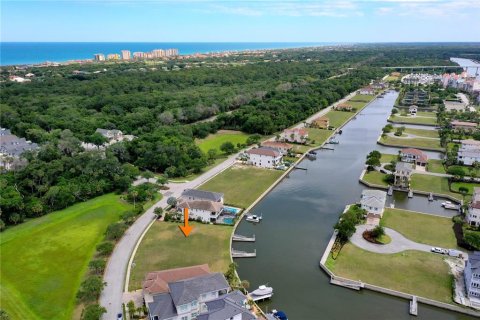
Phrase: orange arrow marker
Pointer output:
(186, 229)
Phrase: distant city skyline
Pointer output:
(241, 21)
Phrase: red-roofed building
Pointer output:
(464, 125)
(264, 157)
(297, 135)
(414, 156)
(283, 147)
(367, 91)
(344, 107)
(320, 123)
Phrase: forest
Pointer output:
(60, 108)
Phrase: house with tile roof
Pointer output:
(264, 157)
(464, 125)
(415, 156)
(297, 135)
(283, 147)
(343, 107)
(320, 123)
(367, 91)
(192, 293)
(472, 278)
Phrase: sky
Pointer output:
(240, 21)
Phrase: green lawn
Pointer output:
(427, 114)
(319, 135)
(44, 260)
(436, 166)
(214, 141)
(422, 133)
(388, 157)
(456, 185)
(422, 228)
(165, 247)
(414, 272)
(392, 79)
(375, 177)
(434, 184)
(413, 120)
(242, 185)
(413, 142)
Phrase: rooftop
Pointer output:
(186, 291)
(157, 281)
(373, 198)
(201, 194)
(206, 205)
(264, 151)
(277, 144)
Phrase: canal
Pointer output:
(298, 219)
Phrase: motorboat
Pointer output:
(449, 205)
(279, 315)
(263, 290)
(253, 218)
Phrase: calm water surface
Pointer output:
(299, 215)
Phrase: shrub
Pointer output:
(105, 248)
(93, 312)
(378, 231)
(91, 288)
(115, 231)
(97, 265)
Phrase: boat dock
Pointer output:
(238, 237)
(260, 298)
(243, 254)
(414, 306)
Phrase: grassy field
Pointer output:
(319, 135)
(436, 166)
(165, 247)
(214, 141)
(375, 177)
(242, 185)
(428, 275)
(427, 114)
(421, 228)
(388, 157)
(456, 185)
(434, 184)
(44, 260)
(413, 142)
(413, 120)
(422, 133)
(392, 78)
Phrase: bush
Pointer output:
(378, 231)
(158, 211)
(172, 201)
(456, 171)
(93, 312)
(105, 248)
(472, 238)
(97, 266)
(90, 289)
(115, 231)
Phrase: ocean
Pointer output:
(14, 53)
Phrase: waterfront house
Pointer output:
(343, 107)
(204, 210)
(264, 157)
(195, 194)
(283, 147)
(469, 152)
(379, 85)
(473, 213)
(416, 156)
(367, 91)
(320, 123)
(402, 175)
(464, 125)
(373, 201)
(413, 109)
(192, 293)
(297, 135)
(472, 278)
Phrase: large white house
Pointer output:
(206, 210)
(473, 213)
(373, 201)
(469, 152)
(192, 293)
(264, 157)
(472, 278)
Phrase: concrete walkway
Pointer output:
(399, 242)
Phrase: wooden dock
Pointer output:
(256, 298)
(240, 238)
(414, 306)
(243, 254)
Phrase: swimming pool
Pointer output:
(231, 210)
(229, 221)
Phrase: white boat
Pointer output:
(449, 205)
(263, 290)
(253, 218)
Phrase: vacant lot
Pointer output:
(422, 228)
(388, 157)
(419, 273)
(165, 247)
(413, 120)
(242, 185)
(413, 142)
(422, 133)
(43, 260)
(457, 185)
(214, 141)
(375, 177)
(434, 184)
(435, 165)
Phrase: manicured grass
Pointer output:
(413, 142)
(436, 166)
(421, 228)
(388, 157)
(338, 118)
(384, 239)
(319, 135)
(165, 247)
(422, 133)
(44, 260)
(413, 120)
(375, 177)
(434, 184)
(242, 185)
(214, 141)
(426, 114)
(456, 186)
(414, 272)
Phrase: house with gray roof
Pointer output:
(472, 278)
(195, 194)
(205, 296)
(373, 201)
(402, 174)
(12, 147)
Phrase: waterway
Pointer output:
(298, 219)
(474, 66)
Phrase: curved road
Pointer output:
(116, 269)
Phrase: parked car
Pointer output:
(439, 250)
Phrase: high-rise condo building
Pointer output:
(113, 56)
(126, 55)
(99, 57)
